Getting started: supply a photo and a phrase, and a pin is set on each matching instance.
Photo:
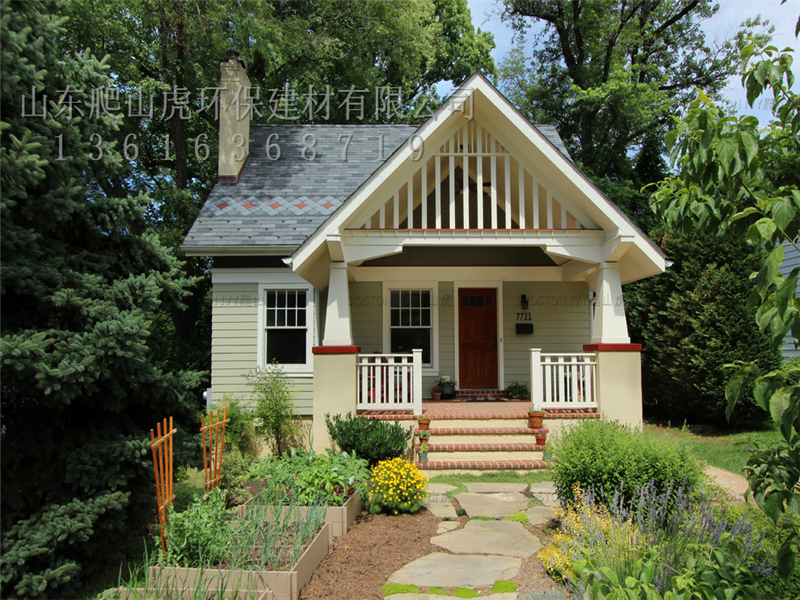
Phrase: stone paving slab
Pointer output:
(446, 526)
(440, 508)
(449, 570)
(440, 488)
(548, 487)
(539, 515)
(490, 488)
(492, 505)
(506, 538)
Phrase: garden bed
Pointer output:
(339, 517)
(236, 584)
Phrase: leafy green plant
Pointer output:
(241, 431)
(234, 475)
(607, 458)
(274, 406)
(518, 391)
(329, 478)
(370, 439)
(396, 486)
(199, 535)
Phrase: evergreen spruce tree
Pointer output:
(81, 284)
(693, 320)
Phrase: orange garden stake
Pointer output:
(162, 464)
(212, 459)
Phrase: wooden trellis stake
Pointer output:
(212, 459)
(162, 465)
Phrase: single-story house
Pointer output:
(371, 260)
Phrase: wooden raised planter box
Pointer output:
(339, 517)
(239, 585)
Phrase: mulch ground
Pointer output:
(378, 545)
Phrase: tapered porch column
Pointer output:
(336, 361)
(619, 365)
(610, 325)
(338, 327)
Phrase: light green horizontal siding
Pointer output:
(366, 313)
(234, 345)
(560, 317)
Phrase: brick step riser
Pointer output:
(442, 467)
(478, 423)
(484, 455)
(484, 438)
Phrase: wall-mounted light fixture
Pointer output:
(523, 302)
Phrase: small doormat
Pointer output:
(487, 399)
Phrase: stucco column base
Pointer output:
(335, 377)
(619, 382)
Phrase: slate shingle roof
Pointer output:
(281, 203)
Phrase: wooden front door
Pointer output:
(477, 338)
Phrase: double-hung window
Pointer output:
(287, 326)
(411, 322)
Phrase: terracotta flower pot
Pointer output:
(424, 424)
(541, 439)
(436, 396)
(535, 420)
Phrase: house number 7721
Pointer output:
(523, 316)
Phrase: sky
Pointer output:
(723, 25)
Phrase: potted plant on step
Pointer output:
(448, 387)
(436, 391)
(535, 417)
(541, 437)
(424, 436)
(548, 451)
(424, 423)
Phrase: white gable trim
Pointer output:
(617, 224)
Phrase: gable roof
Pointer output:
(638, 256)
(277, 205)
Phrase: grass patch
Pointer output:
(518, 516)
(391, 589)
(719, 448)
(462, 592)
(504, 586)
(459, 479)
(436, 591)
(482, 519)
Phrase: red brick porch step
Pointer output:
(481, 430)
(439, 465)
(492, 447)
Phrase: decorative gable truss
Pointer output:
(472, 182)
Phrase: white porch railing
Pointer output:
(390, 381)
(563, 380)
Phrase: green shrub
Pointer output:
(328, 478)
(274, 407)
(396, 486)
(234, 475)
(370, 439)
(241, 431)
(607, 457)
(199, 535)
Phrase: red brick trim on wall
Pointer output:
(612, 347)
(336, 349)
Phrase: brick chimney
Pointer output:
(234, 118)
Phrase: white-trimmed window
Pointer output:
(411, 322)
(286, 322)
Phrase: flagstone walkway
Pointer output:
(482, 551)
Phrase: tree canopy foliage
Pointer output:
(739, 178)
(609, 74)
